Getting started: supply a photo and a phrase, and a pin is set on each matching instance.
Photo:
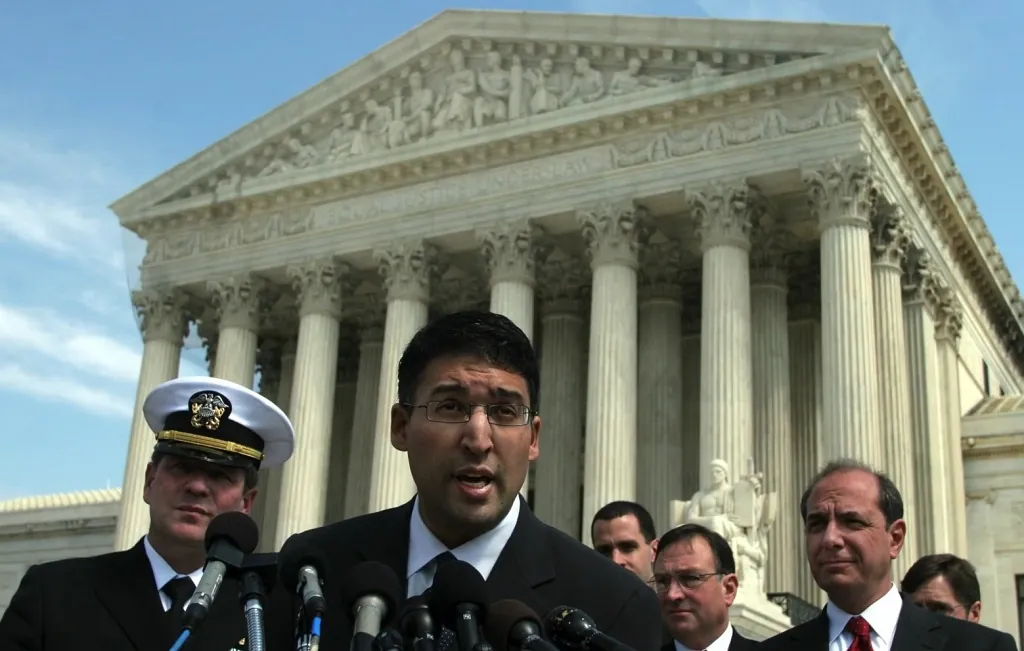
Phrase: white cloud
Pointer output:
(64, 389)
(47, 334)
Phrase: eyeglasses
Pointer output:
(453, 411)
(663, 582)
(941, 608)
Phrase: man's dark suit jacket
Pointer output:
(108, 602)
(738, 643)
(916, 630)
(540, 566)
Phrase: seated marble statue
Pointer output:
(713, 506)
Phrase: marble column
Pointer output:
(164, 326)
(318, 287)
(890, 238)
(773, 445)
(341, 437)
(371, 345)
(931, 472)
(272, 500)
(558, 475)
(509, 249)
(840, 198)
(613, 233)
(268, 364)
(238, 301)
(948, 324)
(406, 268)
(690, 453)
(722, 212)
(660, 383)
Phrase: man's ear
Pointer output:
(399, 422)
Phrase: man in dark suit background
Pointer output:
(212, 438)
(854, 529)
(467, 417)
(695, 579)
(944, 584)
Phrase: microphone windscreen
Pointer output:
(502, 616)
(297, 556)
(372, 578)
(237, 527)
(457, 582)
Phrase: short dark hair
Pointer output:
(491, 337)
(890, 502)
(958, 572)
(725, 562)
(622, 508)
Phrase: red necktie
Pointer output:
(861, 631)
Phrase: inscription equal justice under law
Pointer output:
(477, 185)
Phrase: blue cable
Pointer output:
(315, 627)
(181, 640)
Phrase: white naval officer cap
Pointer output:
(219, 422)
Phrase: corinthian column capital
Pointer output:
(921, 281)
(724, 213)
(510, 250)
(563, 279)
(771, 242)
(318, 286)
(162, 314)
(890, 235)
(661, 268)
(949, 320)
(238, 300)
(613, 232)
(841, 192)
(406, 268)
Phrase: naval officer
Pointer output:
(212, 437)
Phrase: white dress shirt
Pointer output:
(482, 552)
(881, 615)
(163, 572)
(720, 644)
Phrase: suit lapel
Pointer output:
(812, 635)
(386, 539)
(917, 630)
(127, 589)
(523, 565)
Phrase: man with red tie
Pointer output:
(853, 530)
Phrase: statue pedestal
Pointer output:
(757, 618)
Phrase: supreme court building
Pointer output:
(728, 240)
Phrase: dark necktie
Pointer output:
(861, 630)
(179, 590)
(446, 640)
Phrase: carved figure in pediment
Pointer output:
(546, 87)
(229, 183)
(338, 143)
(378, 130)
(454, 106)
(495, 88)
(587, 85)
(298, 156)
(421, 107)
(701, 70)
(630, 80)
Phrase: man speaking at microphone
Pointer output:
(467, 418)
(212, 437)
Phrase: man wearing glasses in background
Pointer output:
(695, 580)
(467, 419)
(945, 584)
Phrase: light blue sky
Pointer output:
(99, 97)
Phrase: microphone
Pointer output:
(259, 572)
(389, 640)
(514, 626)
(458, 600)
(229, 537)
(416, 624)
(572, 629)
(302, 569)
(371, 594)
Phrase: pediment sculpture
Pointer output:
(740, 512)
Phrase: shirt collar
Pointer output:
(162, 571)
(720, 644)
(882, 615)
(481, 552)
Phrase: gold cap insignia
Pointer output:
(209, 409)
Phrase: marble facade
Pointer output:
(728, 240)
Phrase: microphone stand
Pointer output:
(252, 598)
